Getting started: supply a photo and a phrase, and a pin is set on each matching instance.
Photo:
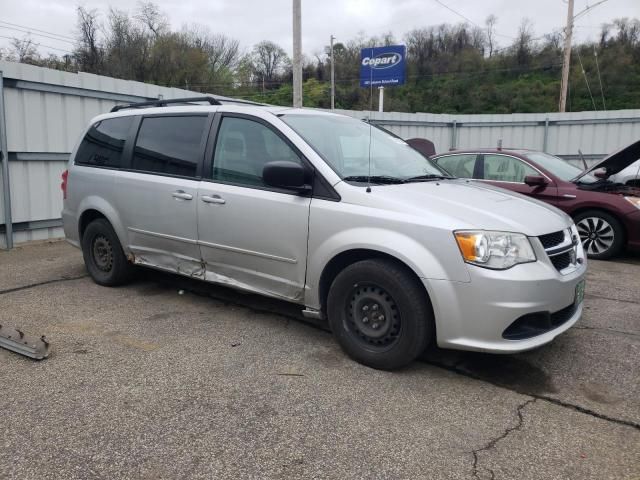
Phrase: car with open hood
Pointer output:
(606, 212)
(328, 212)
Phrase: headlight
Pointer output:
(635, 201)
(496, 250)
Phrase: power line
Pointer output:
(40, 45)
(595, 54)
(586, 79)
(37, 30)
(37, 34)
(439, 2)
(456, 12)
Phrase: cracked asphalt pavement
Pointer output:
(146, 382)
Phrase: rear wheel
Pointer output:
(103, 255)
(380, 314)
(601, 234)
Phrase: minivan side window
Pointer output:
(461, 166)
(503, 168)
(103, 144)
(169, 145)
(243, 147)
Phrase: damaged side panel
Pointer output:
(170, 262)
(212, 273)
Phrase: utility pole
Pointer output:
(297, 55)
(333, 76)
(564, 85)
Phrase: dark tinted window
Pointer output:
(243, 148)
(169, 145)
(104, 142)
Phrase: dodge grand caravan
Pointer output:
(326, 211)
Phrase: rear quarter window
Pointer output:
(169, 145)
(103, 144)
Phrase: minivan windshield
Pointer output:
(559, 167)
(357, 150)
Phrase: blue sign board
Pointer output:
(382, 66)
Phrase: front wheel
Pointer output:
(601, 234)
(380, 314)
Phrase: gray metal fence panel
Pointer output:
(46, 112)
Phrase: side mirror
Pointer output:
(285, 174)
(601, 173)
(535, 180)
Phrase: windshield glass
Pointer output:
(559, 167)
(344, 143)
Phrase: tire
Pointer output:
(103, 255)
(601, 233)
(391, 340)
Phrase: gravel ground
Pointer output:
(144, 382)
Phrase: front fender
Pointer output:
(443, 262)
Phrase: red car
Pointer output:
(607, 214)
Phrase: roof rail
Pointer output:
(164, 102)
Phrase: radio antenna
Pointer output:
(369, 122)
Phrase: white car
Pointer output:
(629, 176)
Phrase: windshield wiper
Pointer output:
(430, 176)
(380, 179)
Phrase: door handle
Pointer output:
(182, 195)
(213, 199)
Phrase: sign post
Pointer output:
(382, 67)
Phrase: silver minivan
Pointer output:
(329, 212)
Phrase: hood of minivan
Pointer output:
(464, 204)
(617, 161)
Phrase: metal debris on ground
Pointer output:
(15, 340)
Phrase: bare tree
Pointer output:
(223, 52)
(523, 44)
(127, 46)
(149, 14)
(88, 54)
(490, 23)
(24, 50)
(269, 60)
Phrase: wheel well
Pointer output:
(86, 218)
(344, 259)
(578, 211)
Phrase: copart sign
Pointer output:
(382, 66)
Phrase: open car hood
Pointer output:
(617, 161)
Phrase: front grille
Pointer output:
(561, 248)
(551, 240)
(561, 261)
(534, 324)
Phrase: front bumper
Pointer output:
(473, 315)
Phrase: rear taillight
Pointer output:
(63, 185)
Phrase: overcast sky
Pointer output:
(253, 20)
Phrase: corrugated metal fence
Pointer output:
(43, 111)
(43, 114)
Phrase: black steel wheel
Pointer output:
(102, 252)
(373, 316)
(103, 255)
(380, 313)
